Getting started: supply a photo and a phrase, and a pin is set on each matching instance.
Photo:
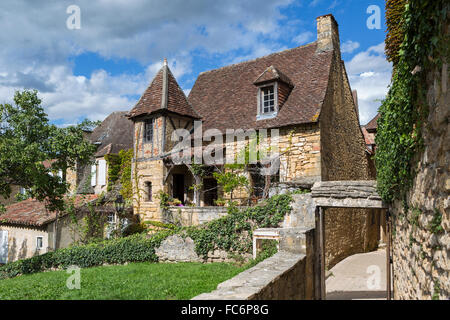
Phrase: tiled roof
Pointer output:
(227, 97)
(116, 130)
(32, 212)
(372, 125)
(368, 138)
(163, 93)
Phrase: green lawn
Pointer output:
(152, 281)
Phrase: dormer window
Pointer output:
(268, 99)
(273, 90)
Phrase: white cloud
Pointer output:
(349, 46)
(303, 38)
(370, 74)
(39, 45)
(314, 3)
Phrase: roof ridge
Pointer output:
(256, 59)
(149, 85)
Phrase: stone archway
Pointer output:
(345, 194)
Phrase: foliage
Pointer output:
(134, 281)
(268, 249)
(164, 199)
(160, 225)
(27, 139)
(119, 169)
(135, 248)
(399, 135)
(231, 179)
(436, 223)
(135, 228)
(90, 227)
(395, 32)
(233, 232)
(436, 290)
(126, 157)
(113, 162)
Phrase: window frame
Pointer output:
(261, 115)
(37, 243)
(148, 123)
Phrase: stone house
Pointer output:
(370, 131)
(114, 134)
(302, 92)
(27, 229)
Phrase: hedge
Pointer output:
(135, 248)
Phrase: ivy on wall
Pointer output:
(119, 170)
(234, 232)
(402, 113)
(395, 29)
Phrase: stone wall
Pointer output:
(193, 216)
(300, 148)
(22, 241)
(280, 277)
(421, 255)
(177, 249)
(344, 157)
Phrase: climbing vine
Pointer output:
(119, 170)
(234, 232)
(399, 135)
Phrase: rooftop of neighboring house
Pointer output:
(33, 213)
(369, 138)
(115, 133)
(228, 97)
(372, 125)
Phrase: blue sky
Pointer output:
(106, 64)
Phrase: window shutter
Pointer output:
(93, 175)
(102, 172)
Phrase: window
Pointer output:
(148, 130)
(267, 99)
(39, 243)
(148, 187)
(111, 218)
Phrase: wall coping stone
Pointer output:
(247, 284)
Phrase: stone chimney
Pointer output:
(327, 34)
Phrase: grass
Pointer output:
(135, 281)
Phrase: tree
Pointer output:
(27, 139)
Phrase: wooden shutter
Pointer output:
(102, 172)
(93, 175)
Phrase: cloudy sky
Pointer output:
(107, 63)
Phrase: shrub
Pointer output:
(234, 232)
(135, 248)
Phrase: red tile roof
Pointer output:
(159, 96)
(227, 97)
(32, 212)
(373, 125)
(367, 136)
